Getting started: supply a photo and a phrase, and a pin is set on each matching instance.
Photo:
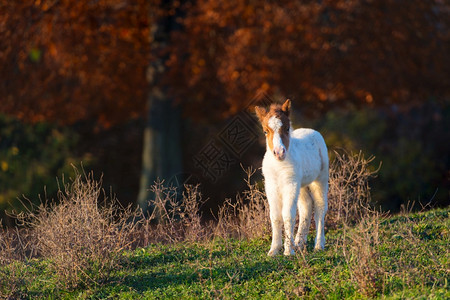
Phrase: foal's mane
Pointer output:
(276, 110)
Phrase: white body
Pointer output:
(299, 181)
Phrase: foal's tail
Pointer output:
(323, 153)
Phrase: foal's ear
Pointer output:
(286, 107)
(260, 112)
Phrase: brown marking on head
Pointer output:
(271, 128)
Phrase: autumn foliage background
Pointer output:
(97, 81)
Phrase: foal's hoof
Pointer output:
(289, 252)
(273, 251)
(318, 248)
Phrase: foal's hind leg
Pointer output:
(305, 211)
(319, 191)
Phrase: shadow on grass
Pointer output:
(159, 269)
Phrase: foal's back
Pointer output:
(310, 152)
(306, 135)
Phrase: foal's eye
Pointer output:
(265, 132)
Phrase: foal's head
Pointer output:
(276, 126)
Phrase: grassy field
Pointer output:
(400, 257)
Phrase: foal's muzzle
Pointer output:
(280, 153)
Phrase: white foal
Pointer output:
(295, 169)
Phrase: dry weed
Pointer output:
(82, 240)
(191, 216)
(9, 245)
(361, 251)
(248, 216)
(349, 204)
(176, 219)
(12, 251)
(349, 191)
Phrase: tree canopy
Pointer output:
(70, 60)
(322, 53)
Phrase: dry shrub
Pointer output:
(349, 204)
(173, 219)
(190, 214)
(12, 251)
(10, 246)
(361, 251)
(248, 216)
(82, 239)
(349, 191)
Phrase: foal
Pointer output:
(295, 169)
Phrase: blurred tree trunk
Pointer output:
(162, 149)
(161, 153)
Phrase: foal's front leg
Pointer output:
(290, 197)
(275, 216)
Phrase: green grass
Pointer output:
(412, 254)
